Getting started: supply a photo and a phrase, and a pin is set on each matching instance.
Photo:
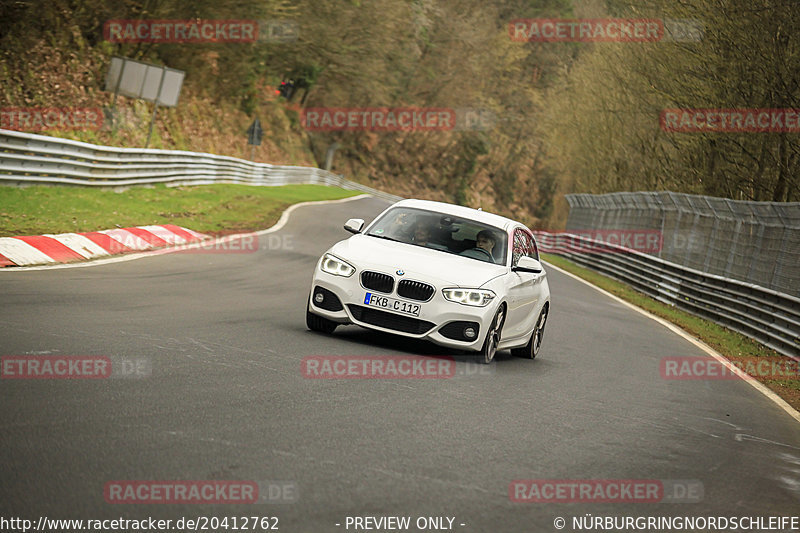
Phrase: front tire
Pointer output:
(531, 350)
(318, 323)
(492, 340)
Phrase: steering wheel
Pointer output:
(483, 252)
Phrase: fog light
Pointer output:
(469, 333)
(319, 297)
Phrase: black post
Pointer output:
(155, 107)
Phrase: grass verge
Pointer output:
(212, 209)
(741, 350)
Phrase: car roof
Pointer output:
(459, 211)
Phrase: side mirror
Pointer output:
(354, 225)
(528, 264)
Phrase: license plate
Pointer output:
(390, 304)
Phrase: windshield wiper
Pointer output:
(385, 237)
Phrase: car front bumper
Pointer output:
(440, 321)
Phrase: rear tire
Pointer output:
(318, 323)
(531, 350)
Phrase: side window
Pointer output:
(533, 249)
(521, 246)
(524, 244)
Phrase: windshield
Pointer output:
(441, 232)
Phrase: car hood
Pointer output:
(418, 263)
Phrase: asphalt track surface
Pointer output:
(225, 335)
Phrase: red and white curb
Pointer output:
(137, 243)
(70, 247)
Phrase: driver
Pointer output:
(486, 241)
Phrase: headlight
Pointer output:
(475, 297)
(337, 267)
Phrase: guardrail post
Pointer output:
(732, 252)
(779, 259)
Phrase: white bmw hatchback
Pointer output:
(459, 277)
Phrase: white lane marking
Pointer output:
(780, 402)
(80, 245)
(734, 426)
(22, 253)
(740, 437)
(789, 458)
(208, 243)
(285, 216)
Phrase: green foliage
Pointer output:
(602, 127)
(571, 117)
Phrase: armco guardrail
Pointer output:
(754, 242)
(768, 316)
(37, 159)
